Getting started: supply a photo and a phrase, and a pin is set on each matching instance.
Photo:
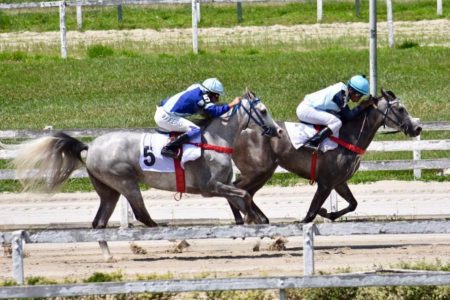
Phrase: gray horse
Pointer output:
(112, 162)
(257, 157)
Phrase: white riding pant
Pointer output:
(309, 114)
(171, 122)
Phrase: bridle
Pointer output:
(398, 120)
(399, 123)
(255, 115)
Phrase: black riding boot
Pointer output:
(172, 149)
(315, 141)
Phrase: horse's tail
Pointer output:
(47, 162)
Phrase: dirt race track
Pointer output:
(228, 257)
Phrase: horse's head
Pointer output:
(259, 114)
(395, 114)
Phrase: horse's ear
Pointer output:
(391, 93)
(249, 94)
(385, 94)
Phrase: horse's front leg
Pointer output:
(252, 184)
(237, 198)
(319, 198)
(344, 191)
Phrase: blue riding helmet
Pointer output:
(213, 85)
(360, 84)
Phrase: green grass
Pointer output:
(212, 15)
(122, 91)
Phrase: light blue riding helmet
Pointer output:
(360, 84)
(213, 85)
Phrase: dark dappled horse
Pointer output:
(112, 162)
(257, 157)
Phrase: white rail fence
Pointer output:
(20, 238)
(195, 11)
(416, 146)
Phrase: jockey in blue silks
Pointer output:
(329, 105)
(200, 97)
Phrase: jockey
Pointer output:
(327, 106)
(200, 97)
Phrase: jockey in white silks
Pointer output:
(328, 106)
(200, 97)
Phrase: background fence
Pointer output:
(195, 11)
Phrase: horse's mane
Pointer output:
(207, 120)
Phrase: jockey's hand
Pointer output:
(367, 103)
(235, 102)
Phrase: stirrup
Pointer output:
(175, 154)
(313, 148)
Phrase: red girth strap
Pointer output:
(179, 172)
(312, 173)
(214, 147)
(346, 145)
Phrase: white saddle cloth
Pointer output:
(150, 158)
(299, 133)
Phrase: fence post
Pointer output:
(416, 156)
(373, 46)
(390, 23)
(333, 201)
(79, 17)
(198, 12)
(239, 11)
(126, 215)
(439, 7)
(120, 12)
(308, 249)
(194, 27)
(319, 11)
(282, 294)
(17, 256)
(358, 8)
(62, 28)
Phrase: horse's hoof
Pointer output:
(110, 259)
(323, 212)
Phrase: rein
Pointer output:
(258, 120)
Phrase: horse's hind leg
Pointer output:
(252, 185)
(108, 201)
(133, 194)
(344, 191)
(319, 198)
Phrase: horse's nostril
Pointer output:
(419, 129)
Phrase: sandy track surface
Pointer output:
(228, 257)
(424, 31)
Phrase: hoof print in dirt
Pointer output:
(279, 244)
(179, 248)
(136, 249)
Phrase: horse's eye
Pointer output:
(401, 110)
(264, 111)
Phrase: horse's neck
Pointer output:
(361, 131)
(223, 133)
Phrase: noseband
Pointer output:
(255, 115)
